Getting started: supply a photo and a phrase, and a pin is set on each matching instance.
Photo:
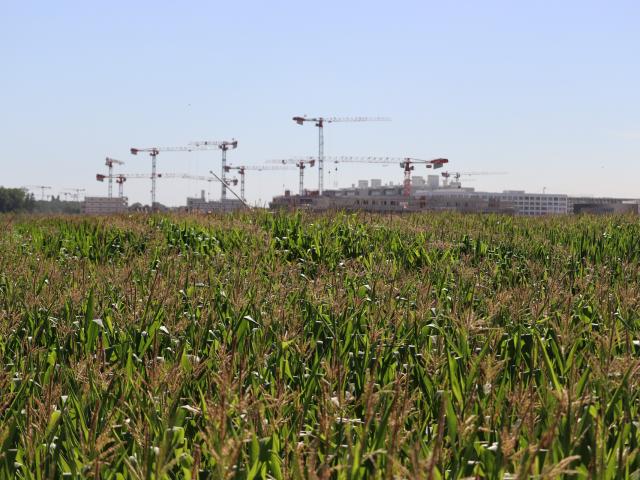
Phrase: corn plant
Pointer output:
(319, 346)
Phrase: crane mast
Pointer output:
(301, 166)
(153, 152)
(110, 162)
(319, 122)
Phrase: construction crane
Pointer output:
(223, 145)
(242, 169)
(110, 162)
(455, 176)
(319, 122)
(301, 164)
(41, 187)
(154, 152)
(407, 164)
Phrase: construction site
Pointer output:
(443, 192)
(448, 196)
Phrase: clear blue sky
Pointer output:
(547, 90)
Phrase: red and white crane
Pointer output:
(243, 168)
(223, 145)
(110, 162)
(301, 164)
(319, 122)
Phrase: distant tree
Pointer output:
(15, 200)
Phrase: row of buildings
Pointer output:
(431, 195)
(426, 195)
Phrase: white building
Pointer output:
(536, 203)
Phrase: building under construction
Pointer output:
(376, 197)
(430, 195)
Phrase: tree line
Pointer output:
(19, 200)
(16, 200)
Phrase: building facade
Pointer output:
(535, 204)
(104, 205)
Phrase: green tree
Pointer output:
(15, 200)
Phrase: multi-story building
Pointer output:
(534, 204)
(390, 198)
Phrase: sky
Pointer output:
(547, 91)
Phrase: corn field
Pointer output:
(300, 346)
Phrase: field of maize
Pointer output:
(299, 346)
